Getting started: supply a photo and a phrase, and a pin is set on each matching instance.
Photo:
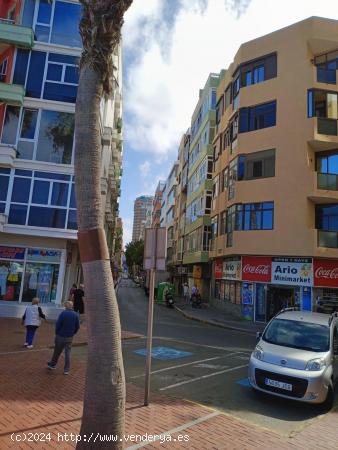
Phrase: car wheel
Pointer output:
(328, 403)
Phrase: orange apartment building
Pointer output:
(274, 215)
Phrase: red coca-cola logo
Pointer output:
(256, 268)
(260, 269)
(327, 273)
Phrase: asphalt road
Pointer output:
(202, 363)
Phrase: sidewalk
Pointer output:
(216, 317)
(37, 402)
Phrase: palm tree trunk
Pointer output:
(104, 400)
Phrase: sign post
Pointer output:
(154, 259)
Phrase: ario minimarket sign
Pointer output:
(232, 269)
(256, 268)
(292, 271)
(325, 272)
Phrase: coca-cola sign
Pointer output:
(326, 272)
(256, 268)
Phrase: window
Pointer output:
(3, 69)
(327, 66)
(42, 199)
(256, 165)
(41, 135)
(227, 97)
(322, 104)
(328, 163)
(225, 178)
(215, 187)
(258, 70)
(56, 22)
(257, 117)
(255, 216)
(4, 182)
(219, 110)
(223, 222)
(327, 217)
(60, 81)
(235, 92)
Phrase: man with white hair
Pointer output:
(66, 327)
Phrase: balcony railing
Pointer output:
(328, 239)
(328, 181)
(327, 126)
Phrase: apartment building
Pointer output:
(274, 219)
(157, 205)
(142, 216)
(39, 58)
(199, 188)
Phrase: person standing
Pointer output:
(32, 320)
(78, 300)
(186, 292)
(66, 327)
(71, 292)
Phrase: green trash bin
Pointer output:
(162, 288)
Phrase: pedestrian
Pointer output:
(78, 300)
(71, 292)
(66, 327)
(186, 292)
(32, 320)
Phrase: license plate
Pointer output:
(278, 384)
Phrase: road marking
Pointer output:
(233, 349)
(202, 377)
(157, 437)
(185, 364)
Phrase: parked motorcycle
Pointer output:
(196, 300)
(169, 300)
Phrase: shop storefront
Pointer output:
(227, 283)
(325, 295)
(31, 272)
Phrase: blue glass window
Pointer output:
(54, 72)
(52, 176)
(45, 11)
(66, 21)
(40, 192)
(35, 74)
(41, 33)
(72, 75)
(258, 74)
(47, 217)
(60, 92)
(72, 220)
(10, 126)
(21, 64)
(2, 207)
(28, 13)
(327, 217)
(65, 59)
(310, 104)
(267, 220)
(5, 170)
(25, 173)
(59, 194)
(17, 214)
(248, 78)
(28, 125)
(21, 188)
(257, 117)
(72, 203)
(3, 187)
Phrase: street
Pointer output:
(203, 364)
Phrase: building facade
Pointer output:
(274, 216)
(142, 216)
(157, 205)
(199, 188)
(39, 60)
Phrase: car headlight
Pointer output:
(258, 353)
(315, 364)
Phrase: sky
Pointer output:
(169, 49)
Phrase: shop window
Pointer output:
(40, 281)
(10, 280)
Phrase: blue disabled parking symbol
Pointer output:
(163, 353)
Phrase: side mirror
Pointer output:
(258, 335)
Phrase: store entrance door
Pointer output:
(279, 297)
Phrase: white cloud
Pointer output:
(170, 56)
(145, 168)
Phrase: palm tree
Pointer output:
(104, 398)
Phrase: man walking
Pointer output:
(66, 327)
(186, 293)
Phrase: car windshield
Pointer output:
(295, 334)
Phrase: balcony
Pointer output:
(328, 239)
(325, 188)
(17, 35)
(12, 93)
(325, 134)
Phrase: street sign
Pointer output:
(155, 248)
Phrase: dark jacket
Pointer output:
(67, 324)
